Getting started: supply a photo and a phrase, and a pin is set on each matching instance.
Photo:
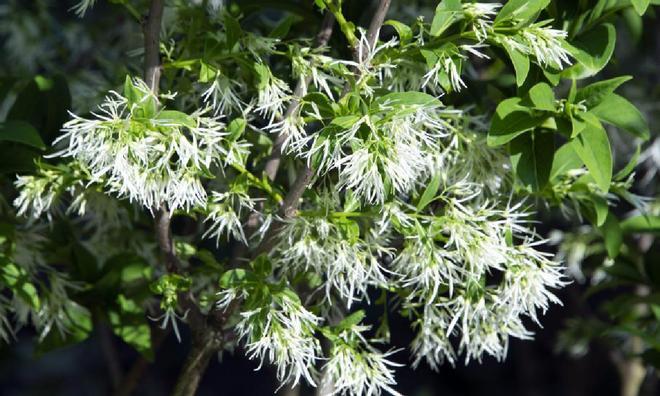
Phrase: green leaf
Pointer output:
(129, 323)
(345, 122)
(43, 103)
(404, 31)
(207, 73)
(566, 159)
(594, 94)
(412, 98)
(520, 63)
(351, 320)
(18, 281)
(640, 6)
(429, 193)
(532, 157)
(236, 128)
(233, 30)
(446, 13)
(612, 235)
(641, 224)
(630, 166)
(577, 125)
(21, 132)
(176, 118)
(619, 112)
(542, 97)
(592, 51)
(236, 277)
(593, 147)
(601, 208)
(282, 29)
(511, 119)
(523, 10)
(132, 94)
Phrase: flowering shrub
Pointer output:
(387, 165)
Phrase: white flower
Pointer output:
(83, 5)
(446, 65)
(544, 43)
(481, 15)
(348, 266)
(152, 161)
(272, 94)
(282, 334)
(36, 195)
(225, 214)
(357, 368)
(528, 280)
(222, 95)
(293, 127)
(431, 342)
(368, 66)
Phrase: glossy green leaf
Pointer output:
(565, 159)
(511, 119)
(542, 97)
(593, 147)
(411, 98)
(520, 63)
(593, 94)
(612, 235)
(129, 323)
(404, 31)
(351, 320)
(429, 193)
(630, 166)
(592, 51)
(522, 10)
(640, 6)
(601, 208)
(618, 111)
(283, 28)
(80, 327)
(21, 132)
(532, 157)
(446, 13)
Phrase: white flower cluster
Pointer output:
(223, 95)
(540, 41)
(451, 267)
(390, 158)
(481, 16)
(272, 95)
(281, 333)
(38, 194)
(357, 368)
(225, 212)
(153, 159)
(349, 264)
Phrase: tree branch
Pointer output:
(152, 26)
(205, 339)
(292, 199)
